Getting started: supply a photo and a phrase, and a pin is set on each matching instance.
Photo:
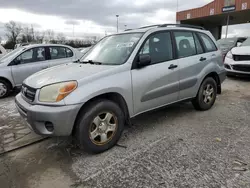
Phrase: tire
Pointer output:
(201, 101)
(5, 89)
(93, 124)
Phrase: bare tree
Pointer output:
(50, 34)
(13, 29)
(39, 36)
(60, 38)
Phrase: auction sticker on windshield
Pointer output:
(125, 45)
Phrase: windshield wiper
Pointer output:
(91, 62)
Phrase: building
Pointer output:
(217, 14)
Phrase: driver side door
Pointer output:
(28, 63)
(158, 83)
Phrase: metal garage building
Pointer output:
(217, 14)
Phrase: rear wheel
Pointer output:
(99, 126)
(206, 96)
(5, 88)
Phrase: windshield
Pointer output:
(9, 56)
(226, 43)
(113, 50)
(246, 42)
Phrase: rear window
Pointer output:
(208, 43)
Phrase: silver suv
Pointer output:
(123, 75)
(24, 61)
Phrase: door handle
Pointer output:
(203, 59)
(172, 66)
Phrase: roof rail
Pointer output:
(183, 25)
(167, 25)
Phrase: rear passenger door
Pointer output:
(60, 55)
(191, 58)
(158, 83)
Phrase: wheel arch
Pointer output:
(112, 96)
(7, 80)
(216, 77)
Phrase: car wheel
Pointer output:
(99, 126)
(206, 95)
(4, 88)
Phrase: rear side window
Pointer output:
(185, 44)
(159, 47)
(208, 43)
(57, 52)
(198, 45)
(69, 52)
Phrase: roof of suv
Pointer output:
(168, 26)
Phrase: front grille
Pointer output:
(241, 57)
(243, 68)
(28, 92)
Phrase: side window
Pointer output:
(198, 45)
(208, 43)
(32, 55)
(57, 52)
(69, 52)
(159, 47)
(185, 44)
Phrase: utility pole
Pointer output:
(117, 22)
(228, 18)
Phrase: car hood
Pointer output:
(243, 50)
(67, 72)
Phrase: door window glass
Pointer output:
(185, 44)
(32, 55)
(57, 52)
(209, 44)
(198, 45)
(159, 47)
(69, 52)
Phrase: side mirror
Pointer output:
(144, 60)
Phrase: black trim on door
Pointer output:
(47, 53)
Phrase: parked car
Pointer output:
(2, 51)
(227, 44)
(25, 61)
(85, 50)
(20, 45)
(237, 60)
(122, 76)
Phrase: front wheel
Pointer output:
(99, 126)
(206, 96)
(4, 88)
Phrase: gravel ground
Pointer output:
(172, 147)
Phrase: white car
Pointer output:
(2, 51)
(24, 61)
(237, 60)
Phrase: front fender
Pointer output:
(118, 83)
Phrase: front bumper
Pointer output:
(37, 116)
(229, 68)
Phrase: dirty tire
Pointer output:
(85, 122)
(198, 102)
(6, 87)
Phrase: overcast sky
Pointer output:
(95, 16)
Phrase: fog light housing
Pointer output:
(49, 126)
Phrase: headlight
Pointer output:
(57, 92)
(229, 55)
